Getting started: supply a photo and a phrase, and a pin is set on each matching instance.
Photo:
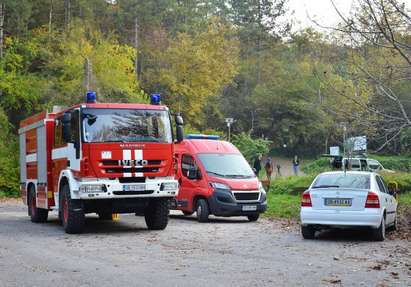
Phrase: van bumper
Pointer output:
(222, 204)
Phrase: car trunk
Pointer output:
(346, 199)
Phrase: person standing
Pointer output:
(268, 168)
(296, 165)
(257, 164)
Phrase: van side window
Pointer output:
(187, 164)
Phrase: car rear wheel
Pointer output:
(202, 210)
(253, 217)
(36, 214)
(379, 233)
(308, 232)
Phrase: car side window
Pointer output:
(381, 185)
(187, 164)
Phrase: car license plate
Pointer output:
(249, 207)
(134, 187)
(338, 201)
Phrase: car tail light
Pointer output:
(306, 199)
(372, 200)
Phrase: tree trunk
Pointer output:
(67, 13)
(50, 16)
(2, 6)
(136, 62)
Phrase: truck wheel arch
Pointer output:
(67, 177)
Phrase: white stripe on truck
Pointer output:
(127, 156)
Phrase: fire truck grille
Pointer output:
(131, 170)
(246, 196)
(141, 192)
(116, 162)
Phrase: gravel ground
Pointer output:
(224, 252)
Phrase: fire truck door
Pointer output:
(42, 201)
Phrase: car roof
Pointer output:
(196, 146)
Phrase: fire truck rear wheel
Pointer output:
(156, 214)
(36, 214)
(72, 212)
(203, 211)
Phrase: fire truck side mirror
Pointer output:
(66, 121)
(179, 128)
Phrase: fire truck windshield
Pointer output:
(126, 125)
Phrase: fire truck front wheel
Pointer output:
(156, 214)
(72, 212)
(36, 214)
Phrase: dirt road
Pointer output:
(225, 252)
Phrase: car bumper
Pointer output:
(225, 208)
(114, 189)
(368, 218)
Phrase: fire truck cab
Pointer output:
(215, 178)
(99, 158)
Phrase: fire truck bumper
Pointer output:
(107, 189)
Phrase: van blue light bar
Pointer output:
(202, 137)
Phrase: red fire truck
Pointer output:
(99, 158)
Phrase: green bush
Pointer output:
(9, 169)
(396, 163)
(316, 166)
(403, 180)
(250, 147)
(291, 185)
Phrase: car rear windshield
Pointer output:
(343, 180)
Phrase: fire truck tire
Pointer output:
(202, 209)
(156, 214)
(36, 214)
(72, 212)
(105, 216)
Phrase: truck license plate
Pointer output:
(338, 201)
(134, 187)
(249, 207)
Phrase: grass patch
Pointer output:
(283, 206)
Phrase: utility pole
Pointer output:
(229, 122)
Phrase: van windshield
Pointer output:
(226, 165)
(126, 125)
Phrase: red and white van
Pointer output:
(216, 179)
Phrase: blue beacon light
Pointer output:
(91, 97)
(155, 99)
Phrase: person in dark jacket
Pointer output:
(257, 164)
(296, 165)
(268, 168)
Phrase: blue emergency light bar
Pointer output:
(155, 99)
(202, 137)
(91, 97)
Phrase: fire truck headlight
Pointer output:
(90, 188)
(169, 186)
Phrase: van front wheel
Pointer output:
(203, 211)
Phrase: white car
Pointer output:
(348, 199)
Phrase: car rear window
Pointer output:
(343, 180)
